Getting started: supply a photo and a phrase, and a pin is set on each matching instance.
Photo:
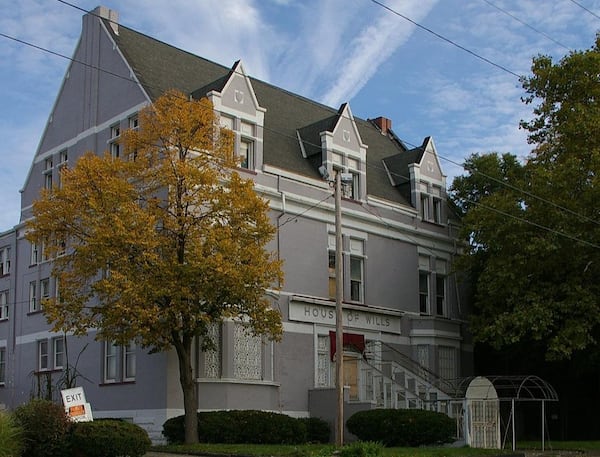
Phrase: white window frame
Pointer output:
(43, 349)
(324, 373)
(248, 145)
(33, 299)
(133, 122)
(44, 289)
(114, 145)
(357, 254)
(354, 281)
(35, 254)
(119, 362)
(3, 305)
(58, 349)
(111, 356)
(5, 261)
(129, 361)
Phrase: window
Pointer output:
(44, 289)
(332, 274)
(246, 154)
(35, 254)
(48, 165)
(110, 362)
(119, 362)
(440, 295)
(4, 261)
(431, 203)
(424, 292)
(33, 301)
(245, 137)
(247, 354)
(2, 366)
(63, 158)
(213, 358)
(437, 210)
(425, 207)
(115, 147)
(356, 270)
(129, 362)
(324, 374)
(58, 347)
(43, 355)
(4, 305)
(356, 278)
(447, 362)
(134, 122)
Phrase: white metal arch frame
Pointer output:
(517, 389)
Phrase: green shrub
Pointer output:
(109, 438)
(45, 428)
(244, 427)
(11, 436)
(362, 449)
(173, 430)
(250, 427)
(402, 427)
(317, 430)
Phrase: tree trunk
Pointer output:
(183, 347)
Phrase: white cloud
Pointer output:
(372, 46)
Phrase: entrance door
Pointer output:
(351, 373)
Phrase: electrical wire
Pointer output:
(447, 40)
(130, 79)
(586, 9)
(523, 23)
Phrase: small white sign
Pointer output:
(76, 406)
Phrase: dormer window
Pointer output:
(431, 203)
(244, 140)
(246, 154)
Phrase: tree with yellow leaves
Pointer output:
(158, 247)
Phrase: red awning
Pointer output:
(352, 342)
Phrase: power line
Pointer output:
(447, 40)
(524, 23)
(586, 9)
(130, 79)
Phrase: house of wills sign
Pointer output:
(305, 309)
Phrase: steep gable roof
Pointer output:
(160, 66)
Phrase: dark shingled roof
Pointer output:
(160, 67)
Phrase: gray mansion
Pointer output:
(404, 311)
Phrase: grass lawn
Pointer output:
(318, 450)
(560, 445)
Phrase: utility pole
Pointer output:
(339, 326)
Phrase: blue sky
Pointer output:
(333, 51)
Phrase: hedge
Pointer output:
(402, 427)
(45, 429)
(109, 438)
(249, 427)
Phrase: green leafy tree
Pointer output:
(160, 246)
(534, 229)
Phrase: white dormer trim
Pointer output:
(237, 101)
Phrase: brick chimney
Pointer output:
(111, 15)
(383, 123)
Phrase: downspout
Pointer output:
(278, 222)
